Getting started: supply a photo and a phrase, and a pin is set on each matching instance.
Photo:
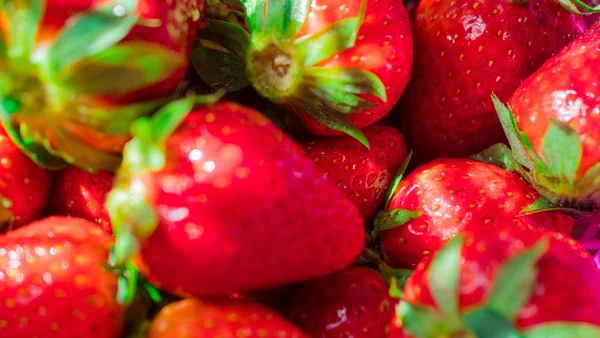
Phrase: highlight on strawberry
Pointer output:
(327, 59)
(75, 74)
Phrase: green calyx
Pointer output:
(579, 7)
(49, 94)
(287, 69)
(554, 172)
(492, 318)
(130, 204)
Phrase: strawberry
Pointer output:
(442, 197)
(464, 51)
(350, 303)
(24, 187)
(202, 319)
(221, 191)
(553, 124)
(325, 58)
(53, 283)
(515, 283)
(363, 174)
(78, 193)
(77, 73)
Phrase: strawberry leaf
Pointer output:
(340, 83)
(420, 321)
(386, 220)
(499, 155)
(220, 55)
(391, 275)
(515, 282)
(486, 323)
(336, 121)
(332, 40)
(562, 150)
(255, 14)
(285, 18)
(23, 18)
(122, 68)
(91, 33)
(397, 179)
(514, 136)
(444, 278)
(563, 330)
(543, 205)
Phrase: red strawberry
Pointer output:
(326, 58)
(77, 73)
(53, 283)
(464, 51)
(515, 283)
(554, 125)
(351, 303)
(24, 187)
(78, 193)
(440, 198)
(199, 319)
(225, 191)
(363, 174)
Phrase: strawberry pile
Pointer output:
(299, 168)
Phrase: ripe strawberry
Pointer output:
(554, 125)
(515, 283)
(350, 303)
(226, 191)
(326, 58)
(77, 73)
(78, 193)
(440, 198)
(199, 319)
(53, 283)
(24, 187)
(464, 51)
(363, 174)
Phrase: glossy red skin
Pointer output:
(566, 288)
(53, 283)
(447, 109)
(78, 193)
(22, 182)
(389, 55)
(177, 31)
(363, 174)
(454, 194)
(189, 318)
(350, 303)
(241, 208)
(565, 88)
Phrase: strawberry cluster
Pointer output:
(299, 168)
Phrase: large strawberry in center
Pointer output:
(227, 203)
(75, 74)
(341, 65)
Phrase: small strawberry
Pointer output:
(202, 319)
(553, 124)
(78, 193)
(75, 74)
(350, 303)
(515, 283)
(222, 201)
(464, 51)
(442, 197)
(53, 283)
(328, 59)
(24, 187)
(363, 174)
